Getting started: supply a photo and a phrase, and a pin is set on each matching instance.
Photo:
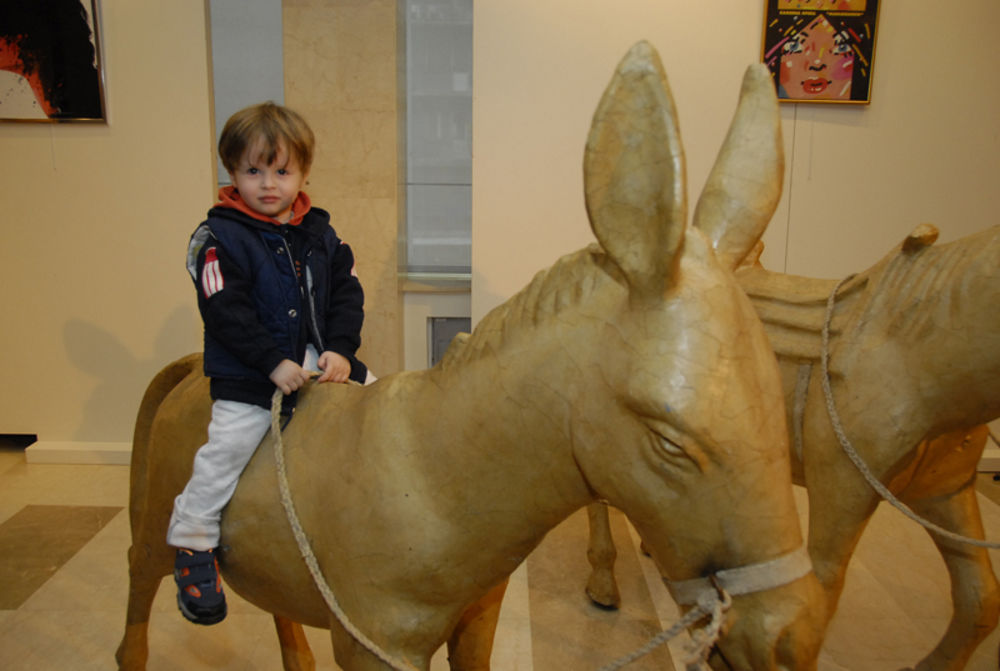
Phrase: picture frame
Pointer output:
(821, 51)
(50, 61)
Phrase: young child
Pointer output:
(279, 298)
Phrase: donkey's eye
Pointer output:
(671, 447)
(676, 446)
(670, 439)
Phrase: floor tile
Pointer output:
(36, 541)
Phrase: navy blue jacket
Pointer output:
(265, 291)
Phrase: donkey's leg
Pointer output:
(975, 592)
(841, 502)
(150, 501)
(471, 644)
(295, 652)
(839, 511)
(602, 588)
(145, 573)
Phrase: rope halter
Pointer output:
(742, 580)
(711, 597)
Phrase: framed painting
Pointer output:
(50, 61)
(821, 51)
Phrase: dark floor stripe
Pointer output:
(38, 540)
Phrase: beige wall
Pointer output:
(858, 178)
(95, 223)
(96, 217)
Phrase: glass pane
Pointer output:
(439, 135)
(247, 58)
(438, 230)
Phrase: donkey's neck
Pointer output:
(497, 440)
(516, 423)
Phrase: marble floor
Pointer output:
(64, 535)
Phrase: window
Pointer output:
(438, 136)
(247, 59)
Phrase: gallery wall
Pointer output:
(858, 178)
(95, 223)
(96, 217)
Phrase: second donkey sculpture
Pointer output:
(914, 362)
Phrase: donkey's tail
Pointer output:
(148, 562)
(158, 388)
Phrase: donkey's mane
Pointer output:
(564, 285)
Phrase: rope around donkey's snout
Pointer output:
(712, 604)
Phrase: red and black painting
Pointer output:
(50, 66)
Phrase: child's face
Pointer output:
(269, 189)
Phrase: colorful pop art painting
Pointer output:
(821, 50)
(50, 68)
(824, 5)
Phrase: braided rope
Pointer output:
(713, 604)
(838, 428)
(306, 550)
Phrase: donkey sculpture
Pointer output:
(914, 358)
(634, 370)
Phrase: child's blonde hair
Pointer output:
(272, 125)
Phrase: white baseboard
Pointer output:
(70, 452)
(990, 461)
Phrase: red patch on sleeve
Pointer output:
(211, 274)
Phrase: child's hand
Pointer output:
(289, 376)
(335, 367)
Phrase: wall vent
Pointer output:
(440, 332)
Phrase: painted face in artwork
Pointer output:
(843, 5)
(817, 63)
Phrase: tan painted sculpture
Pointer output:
(634, 370)
(914, 361)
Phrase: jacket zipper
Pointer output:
(307, 290)
(312, 310)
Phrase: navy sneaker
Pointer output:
(199, 588)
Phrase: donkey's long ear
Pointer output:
(744, 186)
(633, 170)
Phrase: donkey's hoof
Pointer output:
(604, 597)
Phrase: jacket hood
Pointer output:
(230, 198)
